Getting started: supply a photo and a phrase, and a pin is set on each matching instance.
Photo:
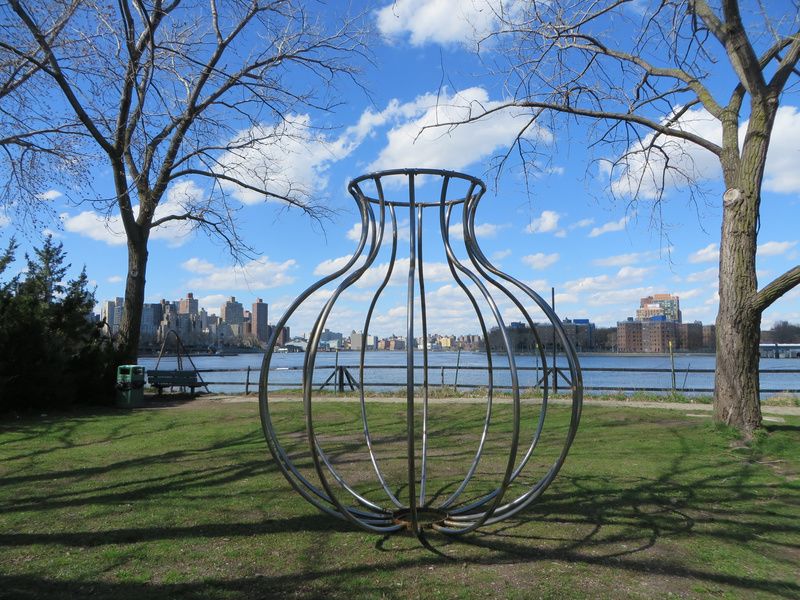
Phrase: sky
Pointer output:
(558, 228)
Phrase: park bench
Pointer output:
(173, 379)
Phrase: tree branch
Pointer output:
(776, 288)
(60, 78)
(596, 114)
(787, 65)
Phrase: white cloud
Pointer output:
(540, 260)
(625, 276)
(95, 226)
(4, 221)
(212, 303)
(688, 294)
(626, 296)
(582, 223)
(403, 233)
(484, 230)
(50, 195)
(443, 21)
(589, 284)
(501, 254)
(712, 273)
(775, 248)
(629, 273)
(258, 274)
(611, 226)
(179, 199)
(354, 233)
(373, 276)
(641, 171)
(689, 162)
(114, 279)
(545, 223)
(198, 265)
(49, 232)
(621, 260)
(708, 254)
(432, 271)
(287, 159)
(327, 267)
(781, 174)
(448, 147)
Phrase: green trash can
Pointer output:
(130, 385)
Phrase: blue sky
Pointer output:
(601, 256)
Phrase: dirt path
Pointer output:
(699, 409)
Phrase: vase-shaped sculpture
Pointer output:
(393, 503)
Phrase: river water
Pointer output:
(381, 372)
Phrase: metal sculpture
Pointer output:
(415, 510)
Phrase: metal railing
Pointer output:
(345, 377)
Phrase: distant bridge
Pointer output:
(779, 350)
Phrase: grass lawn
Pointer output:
(187, 503)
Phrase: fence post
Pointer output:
(247, 382)
(555, 356)
(458, 365)
(340, 380)
(442, 378)
(672, 361)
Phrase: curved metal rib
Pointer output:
(424, 315)
(514, 382)
(489, 365)
(317, 454)
(357, 193)
(305, 488)
(480, 262)
(410, 441)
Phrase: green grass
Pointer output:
(187, 503)
(783, 399)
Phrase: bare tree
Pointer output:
(178, 93)
(639, 73)
(40, 145)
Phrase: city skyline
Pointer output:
(600, 255)
(242, 325)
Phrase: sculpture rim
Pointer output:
(354, 186)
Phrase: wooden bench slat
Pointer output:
(173, 378)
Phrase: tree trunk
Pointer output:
(129, 331)
(736, 378)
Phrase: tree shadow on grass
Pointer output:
(632, 525)
(642, 526)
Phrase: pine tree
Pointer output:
(51, 354)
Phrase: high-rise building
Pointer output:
(356, 340)
(284, 336)
(107, 314)
(151, 319)
(258, 318)
(709, 337)
(629, 336)
(119, 303)
(330, 336)
(111, 313)
(658, 335)
(690, 336)
(665, 306)
(232, 312)
(188, 305)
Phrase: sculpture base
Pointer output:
(426, 517)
